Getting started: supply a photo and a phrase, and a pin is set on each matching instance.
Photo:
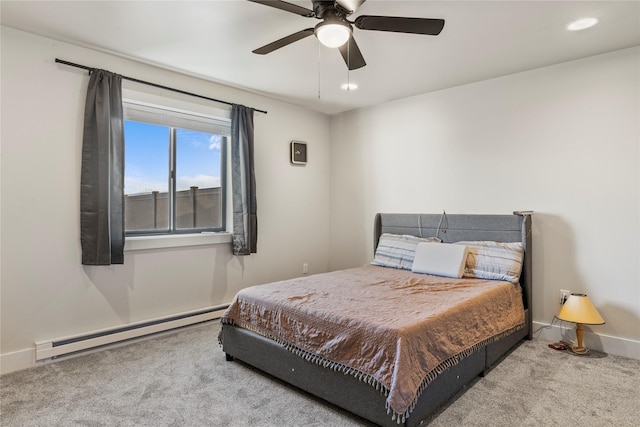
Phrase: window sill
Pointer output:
(138, 243)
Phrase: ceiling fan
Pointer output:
(336, 31)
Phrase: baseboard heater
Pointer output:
(73, 344)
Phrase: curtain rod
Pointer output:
(61, 61)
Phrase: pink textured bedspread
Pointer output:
(393, 328)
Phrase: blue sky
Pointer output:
(147, 158)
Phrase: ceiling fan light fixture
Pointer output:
(333, 33)
(582, 24)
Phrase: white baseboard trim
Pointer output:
(603, 343)
(17, 360)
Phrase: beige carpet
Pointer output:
(183, 379)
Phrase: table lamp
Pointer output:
(579, 310)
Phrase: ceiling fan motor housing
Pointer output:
(326, 9)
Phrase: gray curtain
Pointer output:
(102, 174)
(243, 182)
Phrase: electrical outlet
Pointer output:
(564, 294)
(305, 268)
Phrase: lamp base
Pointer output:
(579, 351)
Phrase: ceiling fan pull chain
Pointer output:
(349, 64)
(318, 70)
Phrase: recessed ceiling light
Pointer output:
(582, 24)
(349, 86)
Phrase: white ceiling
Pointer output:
(214, 40)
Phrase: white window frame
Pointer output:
(149, 108)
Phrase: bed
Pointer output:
(372, 382)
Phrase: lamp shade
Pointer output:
(579, 309)
(332, 33)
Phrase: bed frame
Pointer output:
(360, 398)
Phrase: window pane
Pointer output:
(198, 190)
(146, 177)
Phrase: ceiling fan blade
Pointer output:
(397, 24)
(287, 7)
(352, 55)
(350, 5)
(268, 48)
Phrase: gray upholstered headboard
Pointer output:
(454, 228)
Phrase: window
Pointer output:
(174, 180)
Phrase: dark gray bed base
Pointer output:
(360, 398)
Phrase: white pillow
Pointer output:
(440, 259)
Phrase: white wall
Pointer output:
(561, 140)
(45, 291)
